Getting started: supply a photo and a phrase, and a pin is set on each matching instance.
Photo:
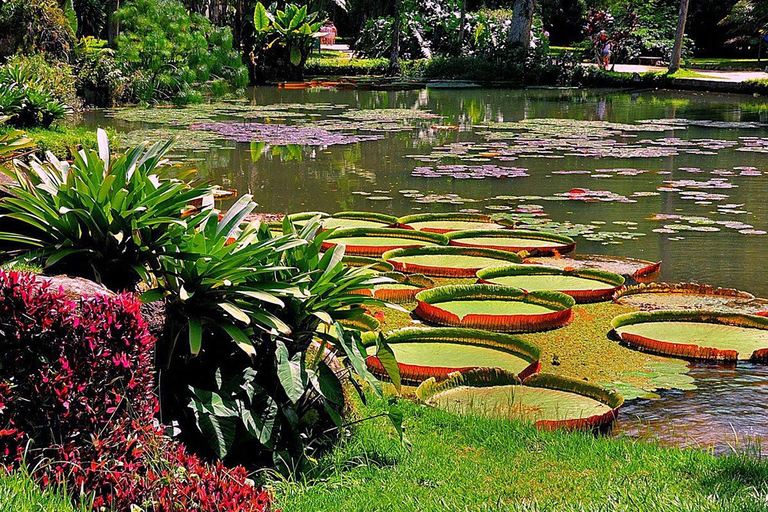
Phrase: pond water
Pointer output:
(691, 192)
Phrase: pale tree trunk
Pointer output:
(677, 51)
(394, 57)
(462, 26)
(522, 20)
(112, 25)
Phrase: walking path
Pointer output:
(707, 75)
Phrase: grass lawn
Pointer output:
(475, 464)
(729, 64)
(20, 494)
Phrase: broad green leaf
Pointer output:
(195, 334)
(295, 56)
(388, 361)
(290, 371)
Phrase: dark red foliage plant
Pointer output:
(77, 406)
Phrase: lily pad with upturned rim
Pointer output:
(549, 401)
(448, 222)
(346, 220)
(538, 242)
(691, 296)
(377, 241)
(447, 261)
(495, 308)
(403, 289)
(696, 335)
(630, 268)
(583, 285)
(424, 352)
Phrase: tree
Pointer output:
(522, 20)
(677, 51)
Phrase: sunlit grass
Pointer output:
(18, 493)
(475, 464)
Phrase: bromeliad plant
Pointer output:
(101, 218)
(255, 379)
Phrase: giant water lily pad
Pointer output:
(495, 308)
(377, 241)
(583, 285)
(630, 268)
(448, 222)
(690, 296)
(358, 220)
(422, 353)
(514, 240)
(701, 335)
(403, 287)
(447, 261)
(549, 401)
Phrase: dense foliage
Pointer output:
(165, 50)
(78, 406)
(283, 39)
(32, 26)
(33, 92)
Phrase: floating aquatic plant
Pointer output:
(280, 134)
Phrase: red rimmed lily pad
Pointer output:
(690, 296)
(538, 242)
(448, 222)
(447, 261)
(494, 308)
(549, 401)
(403, 288)
(436, 352)
(696, 335)
(584, 285)
(377, 241)
(630, 268)
(347, 220)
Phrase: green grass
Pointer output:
(476, 464)
(727, 64)
(18, 493)
(61, 141)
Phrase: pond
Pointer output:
(675, 176)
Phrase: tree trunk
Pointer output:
(112, 25)
(522, 20)
(394, 57)
(677, 51)
(462, 26)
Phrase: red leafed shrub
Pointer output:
(77, 403)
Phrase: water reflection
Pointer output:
(728, 411)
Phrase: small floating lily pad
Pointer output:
(700, 335)
(495, 308)
(447, 261)
(549, 401)
(377, 241)
(539, 242)
(583, 285)
(424, 352)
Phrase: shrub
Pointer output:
(33, 26)
(166, 50)
(342, 66)
(247, 306)
(284, 39)
(35, 92)
(76, 384)
(100, 81)
(99, 218)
